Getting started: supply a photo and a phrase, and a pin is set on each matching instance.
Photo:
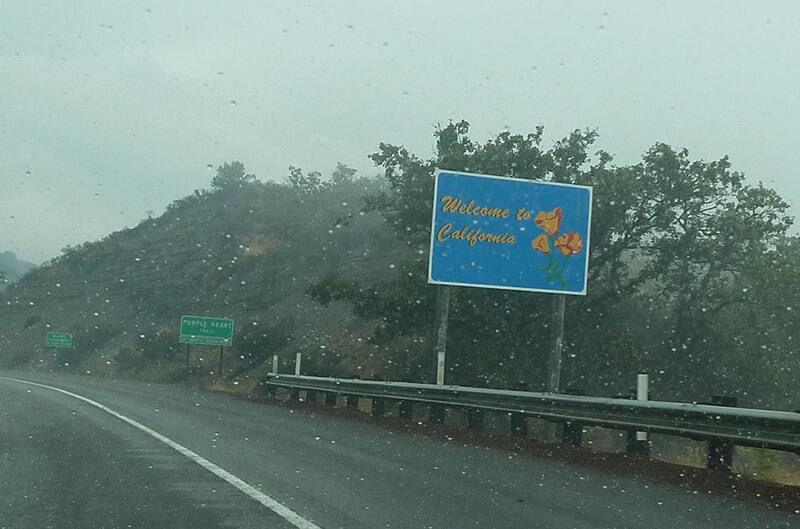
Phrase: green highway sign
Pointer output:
(59, 339)
(200, 330)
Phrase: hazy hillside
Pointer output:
(244, 252)
(12, 267)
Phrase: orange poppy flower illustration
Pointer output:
(570, 243)
(541, 244)
(550, 221)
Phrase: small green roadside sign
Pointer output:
(200, 330)
(59, 339)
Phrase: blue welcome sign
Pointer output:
(509, 233)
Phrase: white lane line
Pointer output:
(278, 508)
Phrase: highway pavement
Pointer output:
(105, 453)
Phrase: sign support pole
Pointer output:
(187, 355)
(220, 360)
(554, 367)
(440, 319)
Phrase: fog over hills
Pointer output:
(13, 267)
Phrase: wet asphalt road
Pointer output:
(67, 464)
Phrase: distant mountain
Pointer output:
(13, 267)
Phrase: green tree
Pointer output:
(342, 175)
(305, 183)
(709, 231)
(231, 176)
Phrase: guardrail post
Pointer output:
(297, 364)
(330, 399)
(378, 407)
(519, 424)
(274, 364)
(572, 434)
(406, 408)
(475, 418)
(720, 451)
(437, 413)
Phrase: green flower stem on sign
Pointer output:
(555, 268)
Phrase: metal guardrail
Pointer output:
(749, 427)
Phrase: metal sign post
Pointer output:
(554, 366)
(202, 330)
(442, 310)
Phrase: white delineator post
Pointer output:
(297, 364)
(642, 393)
(274, 364)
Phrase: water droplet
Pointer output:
(232, 102)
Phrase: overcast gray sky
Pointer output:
(111, 109)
